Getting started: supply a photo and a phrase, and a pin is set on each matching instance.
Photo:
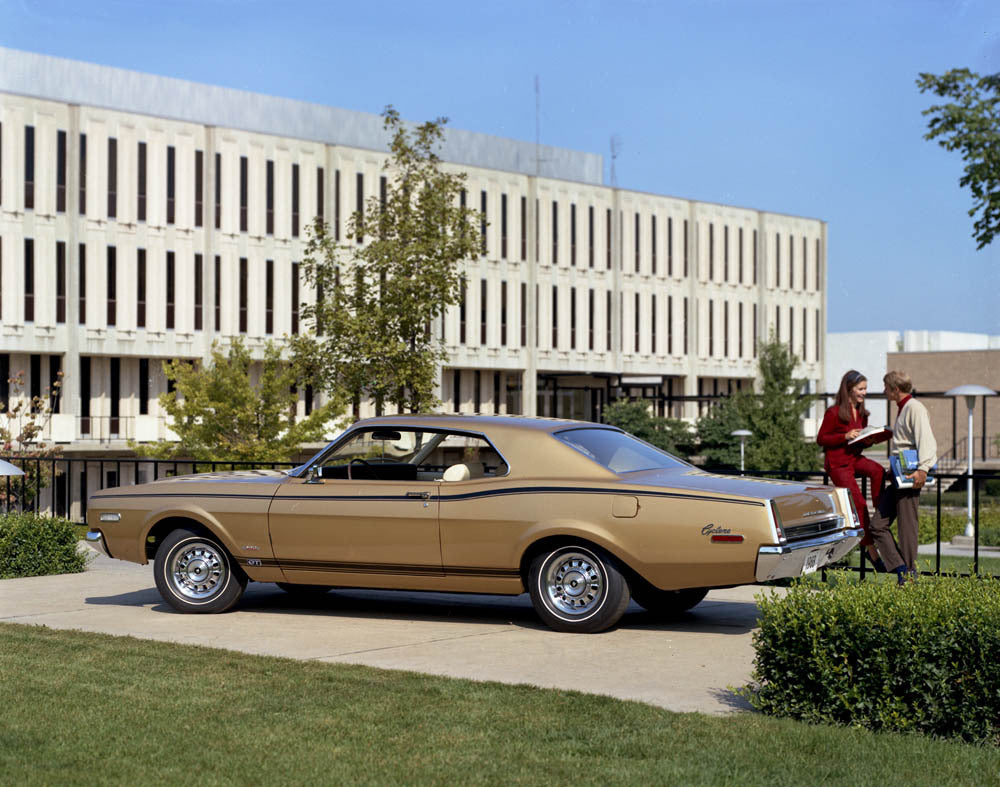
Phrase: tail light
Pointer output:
(776, 517)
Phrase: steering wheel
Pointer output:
(350, 464)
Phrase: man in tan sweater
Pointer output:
(912, 429)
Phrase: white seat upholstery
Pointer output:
(458, 472)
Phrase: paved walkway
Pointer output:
(682, 665)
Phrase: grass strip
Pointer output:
(84, 708)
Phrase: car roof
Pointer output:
(481, 423)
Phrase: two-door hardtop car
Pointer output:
(581, 515)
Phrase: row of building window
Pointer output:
(733, 268)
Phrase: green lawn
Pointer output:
(87, 708)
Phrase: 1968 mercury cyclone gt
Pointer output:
(581, 515)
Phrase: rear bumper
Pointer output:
(95, 538)
(793, 560)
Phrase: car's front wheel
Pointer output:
(194, 573)
(577, 588)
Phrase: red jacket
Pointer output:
(833, 437)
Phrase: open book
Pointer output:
(872, 434)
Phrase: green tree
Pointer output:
(21, 425)
(773, 414)
(378, 295)
(970, 124)
(231, 411)
(670, 434)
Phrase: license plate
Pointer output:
(811, 563)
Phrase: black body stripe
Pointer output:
(383, 568)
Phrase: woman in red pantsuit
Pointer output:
(841, 424)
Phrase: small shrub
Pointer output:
(953, 522)
(991, 488)
(921, 658)
(32, 546)
(989, 537)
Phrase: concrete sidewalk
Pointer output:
(682, 665)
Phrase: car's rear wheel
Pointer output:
(194, 573)
(667, 602)
(577, 588)
(303, 590)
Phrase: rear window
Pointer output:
(617, 451)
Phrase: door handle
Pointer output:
(418, 495)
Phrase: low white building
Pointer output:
(143, 217)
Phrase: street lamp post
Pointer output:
(743, 434)
(970, 392)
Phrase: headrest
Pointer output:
(458, 472)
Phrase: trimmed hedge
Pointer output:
(918, 658)
(32, 546)
(953, 522)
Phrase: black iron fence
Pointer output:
(60, 486)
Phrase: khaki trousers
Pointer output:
(904, 505)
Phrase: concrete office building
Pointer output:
(143, 217)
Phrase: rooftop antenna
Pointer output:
(616, 147)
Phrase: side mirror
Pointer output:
(313, 476)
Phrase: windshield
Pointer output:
(619, 452)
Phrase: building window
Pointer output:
(740, 323)
(61, 171)
(140, 289)
(590, 318)
(199, 188)
(462, 305)
(638, 264)
(791, 331)
(503, 226)
(171, 183)
(269, 296)
(218, 293)
(818, 269)
(607, 320)
(755, 329)
(755, 273)
(144, 386)
(524, 228)
(320, 196)
(816, 336)
(171, 270)
(777, 260)
(590, 236)
(524, 314)
(84, 397)
(572, 234)
(777, 323)
(685, 262)
(218, 191)
(652, 245)
(29, 167)
(60, 281)
(243, 294)
(805, 331)
(295, 200)
(670, 321)
(503, 313)
(55, 369)
(29, 280)
(725, 253)
(115, 395)
(670, 246)
(482, 311)
(244, 167)
(638, 325)
(555, 232)
(336, 204)
(572, 318)
(295, 298)
(140, 200)
(685, 322)
(805, 265)
(359, 200)
(482, 223)
(711, 328)
(82, 282)
(83, 175)
(725, 329)
(741, 257)
(652, 322)
(607, 228)
(269, 199)
(711, 252)
(199, 291)
(791, 262)
(555, 317)
(112, 286)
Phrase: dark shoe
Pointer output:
(879, 566)
(901, 574)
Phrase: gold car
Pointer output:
(583, 516)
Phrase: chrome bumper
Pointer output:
(803, 557)
(95, 539)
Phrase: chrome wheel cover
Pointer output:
(198, 571)
(573, 583)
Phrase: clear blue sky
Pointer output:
(807, 107)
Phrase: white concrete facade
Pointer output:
(584, 292)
